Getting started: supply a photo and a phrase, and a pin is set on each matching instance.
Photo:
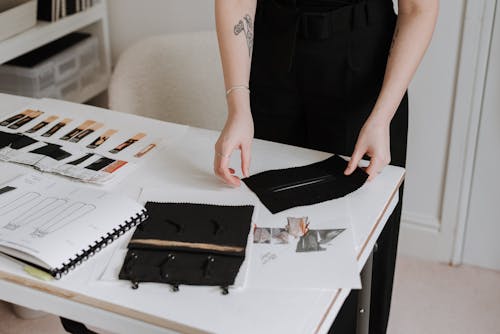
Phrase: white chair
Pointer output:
(176, 78)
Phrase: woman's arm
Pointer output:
(414, 28)
(234, 21)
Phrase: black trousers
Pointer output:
(314, 80)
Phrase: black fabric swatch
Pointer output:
(6, 189)
(22, 141)
(53, 151)
(7, 138)
(282, 189)
(80, 160)
(100, 163)
(197, 223)
(205, 244)
(178, 268)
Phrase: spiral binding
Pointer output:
(99, 244)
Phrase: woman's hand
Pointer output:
(237, 134)
(374, 141)
(414, 28)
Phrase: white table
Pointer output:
(188, 164)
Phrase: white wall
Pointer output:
(431, 100)
(431, 106)
(132, 20)
(432, 95)
(481, 246)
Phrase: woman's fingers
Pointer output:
(223, 171)
(375, 167)
(237, 134)
(373, 140)
(245, 159)
(357, 155)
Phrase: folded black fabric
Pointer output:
(283, 189)
(186, 243)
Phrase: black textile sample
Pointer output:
(283, 189)
(185, 243)
(53, 151)
(22, 141)
(7, 138)
(80, 160)
(100, 163)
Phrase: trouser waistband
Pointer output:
(319, 25)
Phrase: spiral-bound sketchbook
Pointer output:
(57, 224)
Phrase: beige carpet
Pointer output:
(428, 298)
(435, 298)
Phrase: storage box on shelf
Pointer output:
(55, 70)
(93, 20)
(70, 89)
(16, 16)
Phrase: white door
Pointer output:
(482, 235)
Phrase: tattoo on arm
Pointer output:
(246, 26)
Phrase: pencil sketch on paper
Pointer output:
(43, 215)
(68, 214)
(18, 202)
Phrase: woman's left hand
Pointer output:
(374, 141)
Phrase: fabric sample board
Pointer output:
(186, 243)
(282, 189)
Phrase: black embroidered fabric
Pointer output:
(282, 189)
(186, 243)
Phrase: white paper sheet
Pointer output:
(278, 264)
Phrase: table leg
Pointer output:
(363, 318)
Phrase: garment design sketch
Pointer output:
(37, 210)
(18, 203)
(70, 213)
(44, 215)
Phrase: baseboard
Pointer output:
(419, 221)
(420, 236)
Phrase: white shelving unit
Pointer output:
(93, 20)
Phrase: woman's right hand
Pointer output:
(236, 135)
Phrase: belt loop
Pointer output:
(359, 15)
(364, 15)
(369, 16)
